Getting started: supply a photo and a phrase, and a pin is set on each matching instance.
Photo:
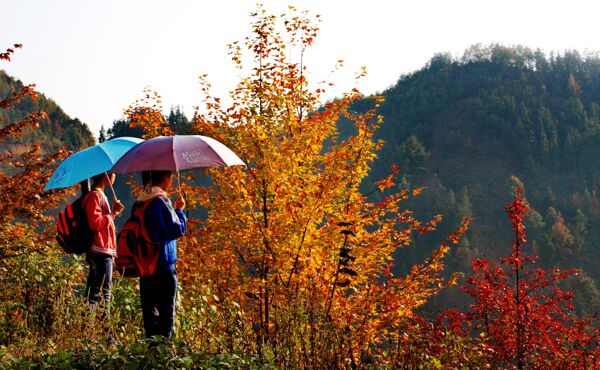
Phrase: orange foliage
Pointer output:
(22, 177)
(30, 286)
(146, 114)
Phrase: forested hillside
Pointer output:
(57, 131)
(469, 128)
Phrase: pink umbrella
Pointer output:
(174, 153)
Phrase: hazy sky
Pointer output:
(94, 58)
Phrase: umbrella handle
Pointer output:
(187, 215)
(111, 187)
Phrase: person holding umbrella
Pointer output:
(101, 223)
(95, 163)
(165, 223)
(158, 158)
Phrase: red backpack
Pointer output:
(73, 231)
(137, 254)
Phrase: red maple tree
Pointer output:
(521, 313)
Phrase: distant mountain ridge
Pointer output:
(470, 128)
(58, 131)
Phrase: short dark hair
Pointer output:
(85, 186)
(146, 177)
(154, 177)
(96, 179)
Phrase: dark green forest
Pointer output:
(469, 129)
(56, 132)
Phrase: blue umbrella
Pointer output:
(90, 162)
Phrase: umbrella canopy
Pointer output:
(174, 153)
(90, 162)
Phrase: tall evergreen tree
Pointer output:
(102, 135)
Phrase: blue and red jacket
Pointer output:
(164, 225)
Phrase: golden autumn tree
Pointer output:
(295, 257)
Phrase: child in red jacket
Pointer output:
(101, 221)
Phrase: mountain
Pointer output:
(470, 128)
(58, 131)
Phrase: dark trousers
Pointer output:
(99, 278)
(158, 295)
